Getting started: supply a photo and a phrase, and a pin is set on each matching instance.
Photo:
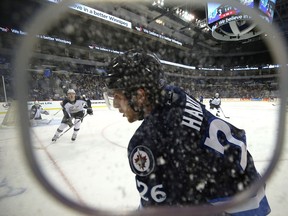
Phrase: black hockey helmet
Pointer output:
(135, 69)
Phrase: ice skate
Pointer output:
(73, 138)
(55, 138)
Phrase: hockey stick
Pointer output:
(53, 116)
(45, 147)
(57, 112)
(224, 114)
(71, 126)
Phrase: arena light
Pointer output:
(184, 15)
(159, 3)
(212, 69)
(160, 22)
(271, 66)
(187, 16)
(177, 65)
(245, 68)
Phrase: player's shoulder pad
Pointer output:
(64, 102)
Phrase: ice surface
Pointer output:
(94, 169)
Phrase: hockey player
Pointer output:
(201, 99)
(181, 154)
(35, 113)
(73, 109)
(215, 102)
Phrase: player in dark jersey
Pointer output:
(201, 99)
(181, 154)
(73, 108)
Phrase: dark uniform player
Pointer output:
(181, 154)
(201, 99)
(215, 102)
(73, 108)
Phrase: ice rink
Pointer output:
(94, 169)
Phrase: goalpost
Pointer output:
(10, 118)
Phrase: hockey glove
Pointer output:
(90, 111)
(46, 112)
(69, 122)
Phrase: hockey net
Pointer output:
(10, 117)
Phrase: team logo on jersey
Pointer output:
(142, 160)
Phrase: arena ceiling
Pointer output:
(198, 47)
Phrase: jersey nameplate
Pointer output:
(193, 114)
